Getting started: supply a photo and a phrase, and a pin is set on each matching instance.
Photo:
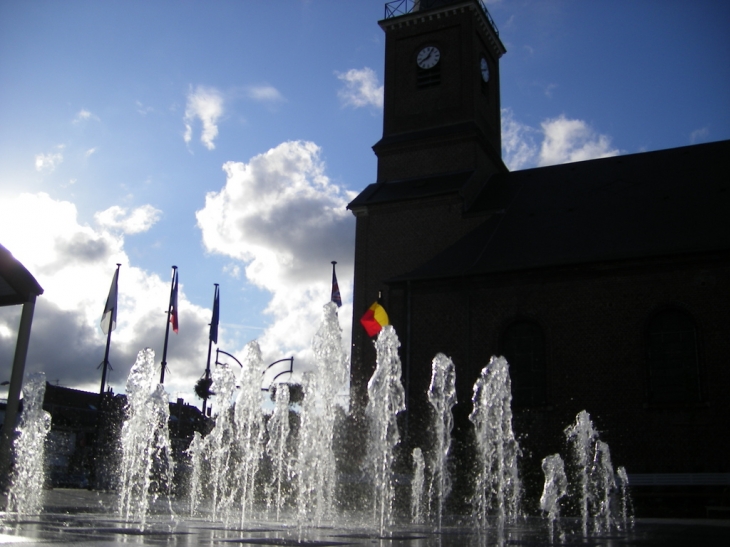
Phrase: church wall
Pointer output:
(594, 325)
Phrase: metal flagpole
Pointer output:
(173, 289)
(110, 327)
(212, 337)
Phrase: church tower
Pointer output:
(442, 108)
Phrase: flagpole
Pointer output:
(105, 364)
(210, 345)
(163, 365)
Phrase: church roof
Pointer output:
(408, 189)
(650, 204)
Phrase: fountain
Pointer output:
(316, 467)
(25, 496)
(442, 396)
(419, 466)
(147, 466)
(256, 478)
(278, 451)
(555, 488)
(497, 488)
(386, 398)
(218, 447)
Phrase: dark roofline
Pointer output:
(666, 203)
(411, 188)
(17, 285)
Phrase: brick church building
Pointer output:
(605, 283)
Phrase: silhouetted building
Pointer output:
(605, 283)
(83, 446)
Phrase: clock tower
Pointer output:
(442, 108)
(440, 147)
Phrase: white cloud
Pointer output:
(90, 152)
(233, 269)
(699, 135)
(361, 88)
(518, 142)
(48, 162)
(74, 263)
(562, 140)
(281, 216)
(142, 109)
(567, 141)
(264, 93)
(206, 105)
(84, 115)
(137, 221)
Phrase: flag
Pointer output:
(109, 318)
(374, 319)
(336, 298)
(173, 302)
(213, 337)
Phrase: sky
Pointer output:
(227, 138)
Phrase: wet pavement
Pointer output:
(79, 517)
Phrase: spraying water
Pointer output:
(386, 398)
(278, 430)
(147, 467)
(555, 488)
(316, 462)
(498, 487)
(249, 420)
(605, 488)
(627, 509)
(417, 486)
(25, 496)
(219, 444)
(196, 453)
(442, 396)
(582, 435)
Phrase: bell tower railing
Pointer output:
(396, 8)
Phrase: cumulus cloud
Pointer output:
(572, 140)
(47, 163)
(558, 140)
(361, 88)
(282, 218)
(204, 104)
(264, 93)
(135, 221)
(74, 263)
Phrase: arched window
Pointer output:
(672, 358)
(523, 345)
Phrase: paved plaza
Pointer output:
(80, 517)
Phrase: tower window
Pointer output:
(671, 339)
(523, 345)
(428, 77)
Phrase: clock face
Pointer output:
(484, 69)
(428, 57)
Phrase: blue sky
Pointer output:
(118, 118)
